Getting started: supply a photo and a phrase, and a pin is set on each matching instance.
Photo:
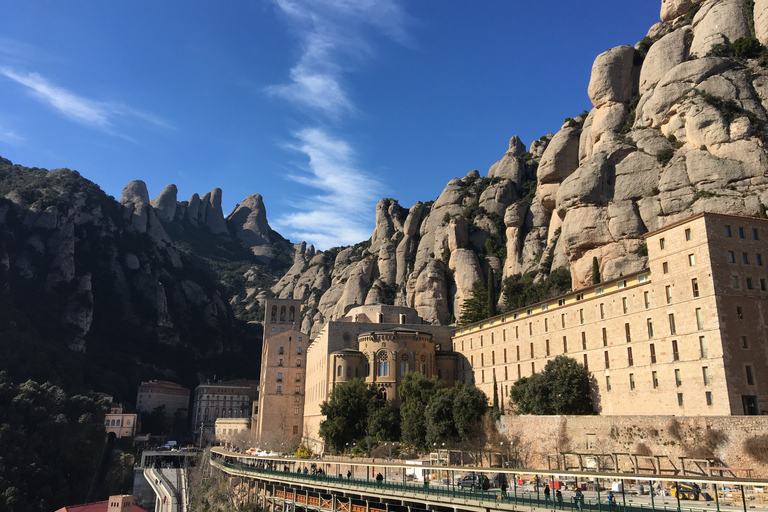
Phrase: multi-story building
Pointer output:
(687, 336)
(117, 422)
(161, 393)
(379, 343)
(229, 399)
(231, 429)
(279, 417)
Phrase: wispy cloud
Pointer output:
(10, 137)
(333, 37)
(336, 216)
(96, 114)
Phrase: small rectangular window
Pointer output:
(739, 313)
(647, 299)
(621, 284)
(581, 316)
(678, 378)
(688, 234)
(602, 311)
(728, 231)
(749, 283)
(691, 260)
(744, 342)
(607, 382)
(605, 337)
(662, 243)
(759, 260)
(599, 291)
(546, 325)
(672, 328)
(630, 359)
(607, 360)
(695, 287)
(754, 234)
(631, 381)
(642, 278)
(762, 285)
(627, 333)
(280, 350)
(653, 353)
(750, 377)
(703, 346)
(668, 292)
(708, 396)
(586, 363)
(565, 344)
(735, 282)
(624, 305)
(741, 232)
(561, 302)
(705, 375)
(544, 307)
(731, 257)
(680, 399)
(675, 352)
(745, 258)
(649, 325)
(665, 267)
(562, 320)
(699, 319)
(531, 350)
(546, 347)
(583, 340)
(655, 379)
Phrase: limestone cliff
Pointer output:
(677, 127)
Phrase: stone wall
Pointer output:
(716, 437)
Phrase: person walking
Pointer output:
(504, 489)
(349, 474)
(559, 498)
(579, 499)
(546, 495)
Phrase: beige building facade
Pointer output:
(120, 423)
(228, 429)
(379, 343)
(227, 399)
(685, 337)
(160, 393)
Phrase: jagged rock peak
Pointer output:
(135, 192)
(249, 220)
(165, 203)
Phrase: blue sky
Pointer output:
(322, 106)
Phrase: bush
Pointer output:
(665, 155)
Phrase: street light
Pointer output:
(502, 444)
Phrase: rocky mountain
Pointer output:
(101, 293)
(677, 127)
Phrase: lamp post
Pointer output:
(502, 444)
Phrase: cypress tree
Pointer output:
(595, 271)
(491, 296)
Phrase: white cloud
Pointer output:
(9, 136)
(333, 38)
(340, 213)
(96, 114)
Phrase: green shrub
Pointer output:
(665, 155)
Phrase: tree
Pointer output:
(50, 444)
(469, 406)
(491, 297)
(346, 413)
(383, 419)
(520, 291)
(562, 388)
(416, 391)
(595, 271)
(439, 417)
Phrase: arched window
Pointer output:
(291, 314)
(274, 313)
(113, 423)
(338, 371)
(118, 423)
(282, 314)
(206, 414)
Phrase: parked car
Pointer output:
(498, 479)
(475, 482)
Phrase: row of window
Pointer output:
(742, 232)
(281, 350)
(116, 423)
(297, 389)
(280, 377)
(745, 258)
(749, 284)
(280, 362)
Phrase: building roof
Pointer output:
(162, 384)
(347, 351)
(700, 215)
(397, 330)
(99, 506)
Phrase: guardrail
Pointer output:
(514, 497)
